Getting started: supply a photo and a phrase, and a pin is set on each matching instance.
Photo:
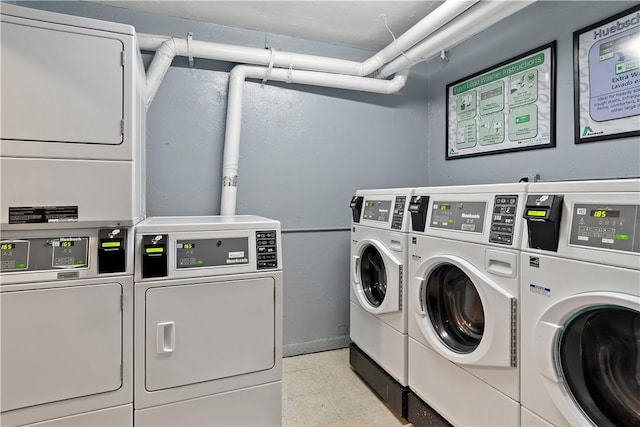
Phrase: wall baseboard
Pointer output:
(315, 346)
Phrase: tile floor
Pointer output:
(321, 389)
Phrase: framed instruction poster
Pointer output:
(508, 107)
(606, 66)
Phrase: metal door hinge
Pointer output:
(122, 127)
(121, 302)
(122, 58)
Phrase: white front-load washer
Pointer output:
(66, 340)
(208, 321)
(463, 301)
(581, 304)
(378, 316)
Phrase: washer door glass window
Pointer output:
(600, 360)
(454, 307)
(373, 276)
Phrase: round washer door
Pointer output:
(464, 315)
(595, 342)
(454, 307)
(376, 278)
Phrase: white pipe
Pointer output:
(460, 29)
(234, 111)
(426, 26)
(168, 47)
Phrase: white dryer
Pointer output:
(463, 302)
(208, 321)
(581, 304)
(72, 140)
(66, 351)
(378, 316)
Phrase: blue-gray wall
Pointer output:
(528, 29)
(304, 152)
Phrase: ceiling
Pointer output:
(347, 23)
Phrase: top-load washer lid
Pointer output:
(599, 356)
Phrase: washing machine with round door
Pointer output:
(581, 304)
(378, 317)
(463, 302)
(208, 321)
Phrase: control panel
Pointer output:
(105, 248)
(462, 216)
(398, 213)
(41, 254)
(377, 210)
(194, 253)
(606, 226)
(267, 249)
(503, 219)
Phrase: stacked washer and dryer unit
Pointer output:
(208, 290)
(378, 315)
(581, 304)
(463, 303)
(72, 188)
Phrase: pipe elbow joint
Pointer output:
(168, 48)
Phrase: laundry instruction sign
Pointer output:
(607, 78)
(507, 107)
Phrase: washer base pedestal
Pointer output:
(419, 414)
(382, 383)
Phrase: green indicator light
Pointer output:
(536, 213)
(622, 237)
(154, 250)
(450, 221)
(523, 119)
(199, 262)
(111, 245)
(79, 262)
(21, 265)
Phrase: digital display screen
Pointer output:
(188, 245)
(445, 207)
(603, 213)
(154, 250)
(111, 244)
(531, 212)
(66, 244)
(7, 246)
